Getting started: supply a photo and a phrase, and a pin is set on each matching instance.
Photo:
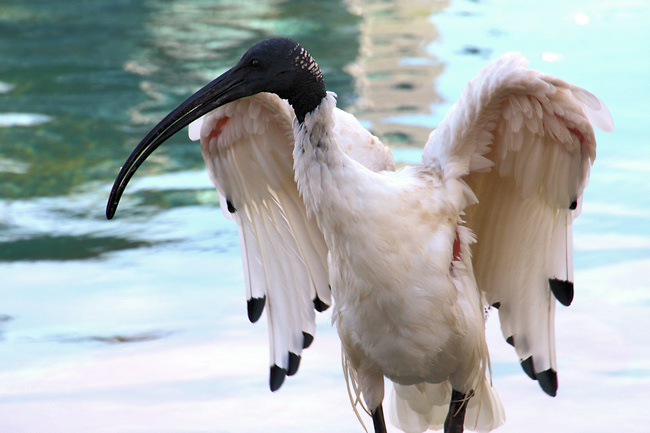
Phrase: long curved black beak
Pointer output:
(227, 88)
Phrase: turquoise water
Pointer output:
(139, 324)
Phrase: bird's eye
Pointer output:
(255, 64)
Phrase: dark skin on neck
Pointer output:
(279, 66)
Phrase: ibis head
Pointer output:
(278, 65)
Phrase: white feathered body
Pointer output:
(405, 306)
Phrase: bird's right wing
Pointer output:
(523, 142)
(247, 146)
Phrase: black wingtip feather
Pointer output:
(529, 367)
(548, 381)
(511, 340)
(573, 205)
(562, 290)
(255, 307)
(277, 377)
(294, 363)
(307, 339)
(319, 305)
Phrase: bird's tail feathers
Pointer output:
(424, 406)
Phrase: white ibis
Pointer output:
(414, 257)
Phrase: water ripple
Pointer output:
(22, 119)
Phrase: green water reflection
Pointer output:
(105, 72)
(65, 247)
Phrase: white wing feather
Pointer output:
(524, 144)
(247, 146)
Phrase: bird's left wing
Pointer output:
(247, 146)
(523, 142)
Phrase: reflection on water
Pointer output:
(394, 72)
(63, 247)
(117, 339)
(64, 61)
(3, 319)
(82, 82)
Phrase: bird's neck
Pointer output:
(322, 170)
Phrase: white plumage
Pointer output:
(411, 258)
(522, 141)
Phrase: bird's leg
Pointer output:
(456, 415)
(378, 420)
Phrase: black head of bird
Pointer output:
(278, 65)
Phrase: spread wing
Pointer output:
(524, 143)
(247, 146)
